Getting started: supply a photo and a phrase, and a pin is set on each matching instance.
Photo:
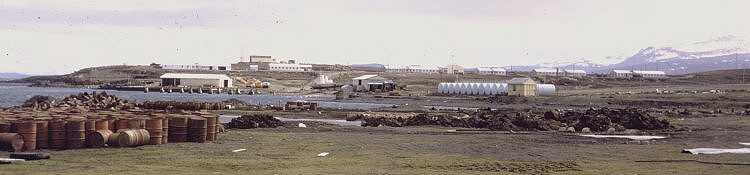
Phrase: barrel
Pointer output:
(42, 134)
(98, 138)
(27, 130)
(136, 123)
(122, 123)
(177, 129)
(11, 142)
(197, 129)
(165, 130)
(101, 124)
(114, 139)
(111, 121)
(57, 134)
(154, 127)
(133, 137)
(75, 131)
(211, 128)
(90, 126)
(4, 127)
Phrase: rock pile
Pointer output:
(254, 121)
(84, 100)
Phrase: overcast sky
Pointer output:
(54, 37)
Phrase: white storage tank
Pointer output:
(545, 89)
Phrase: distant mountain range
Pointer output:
(728, 52)
(12, 76)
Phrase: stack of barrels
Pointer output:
(29, 131)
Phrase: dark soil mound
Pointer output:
(254, 121)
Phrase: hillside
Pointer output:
(100, 75)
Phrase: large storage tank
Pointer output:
(473, 88)
(545, 89)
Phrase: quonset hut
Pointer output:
(493, 89)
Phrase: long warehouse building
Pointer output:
(196, 80)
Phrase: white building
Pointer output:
(367, 83)
(575, 73)
(546, 72)
(649, 74)
(454, 69)
(196, 80)
(413, 69)
(620, 74)
(279, 67)
(492, 71)
(193, 67)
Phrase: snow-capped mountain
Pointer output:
(728, 52)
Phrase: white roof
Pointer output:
(195, 76)
(490, 69)
(649, 72)
(622, 71)
(364, 77)
(576, 71)
(545, 70)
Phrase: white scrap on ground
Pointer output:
(302, 125)
(239, 150)
(632, 137)
(746, 144)
(9, 161)
(323, 154)
(717, 151)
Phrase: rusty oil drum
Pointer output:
(197, 129)
(75, 132)
(178, 129)
(42, 134)
(27, 130)
(56, 128)
(155, 129)
(133, 137)
(11, 142)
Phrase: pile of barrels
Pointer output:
(29, 131)
(173, 105)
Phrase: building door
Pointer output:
(226, 83)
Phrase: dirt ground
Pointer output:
(412, 150)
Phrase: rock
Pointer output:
(611, 130)
(631, 131)
(586, 130)
(571, 129)
(562, 129)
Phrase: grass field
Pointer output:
(412, 150)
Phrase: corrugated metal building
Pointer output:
(525, 87)
(366, 83)
(196, 80)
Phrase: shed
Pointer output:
(522, 87)
(196, 80)
(372, 83)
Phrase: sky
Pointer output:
(58, 37)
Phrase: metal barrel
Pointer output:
(197, 129)
(27, 130)
(90, 126)
(178, 129)
(114, 139)
(154, 128)
(98, 139)
(42, 134)
(122, 123)
(56, 129)
(101, 124)
(133, 137)
(11, 142)
(75, 131)
(211, 122)
(165, 129)
(136, 123)
(4, 127)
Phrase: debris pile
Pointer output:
(84, 100)
(596, 120)
(254, 121)
(189, 106)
